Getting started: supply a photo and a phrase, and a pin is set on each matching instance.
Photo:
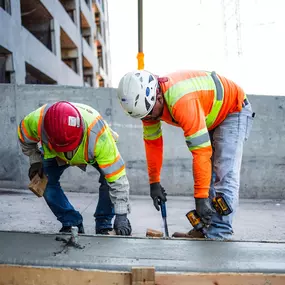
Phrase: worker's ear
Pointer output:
(159, 98)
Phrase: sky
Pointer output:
(190, 34)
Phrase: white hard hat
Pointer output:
(137, 93)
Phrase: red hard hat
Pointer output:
(63, 126)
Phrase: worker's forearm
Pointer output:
(119, 195)
(31, 150)
(202, 172)
(154, 157)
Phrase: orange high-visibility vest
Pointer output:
(196, 101)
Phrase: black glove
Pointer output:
(122, 225)
(158, 194)
(36, 168)
(204, 210)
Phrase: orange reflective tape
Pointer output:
(20, 134)
(40, 122)
(23, 127)
(115, 172)
(88, 134)
(109, 164)
(49, 146)
(100, 133)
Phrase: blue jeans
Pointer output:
(62, 208)
(227, 142)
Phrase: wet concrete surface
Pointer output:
(120, 253)
(255, 219)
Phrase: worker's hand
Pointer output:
(36, 168)
(204, 210)
(122, 225)
(158, 194)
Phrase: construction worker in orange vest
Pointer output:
(57, 136)
(216, 118)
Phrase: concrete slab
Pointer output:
(119, 253)
(255, 219)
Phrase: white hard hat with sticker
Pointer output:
(137, 93)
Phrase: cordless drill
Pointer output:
(221, 206)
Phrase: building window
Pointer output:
(85, 29)
(37, 20)
(6, 66)
(98, 22)
(100, 54)
(35, 76)
(69, 51)
(88, 73)
(70, 8)
(6, 5)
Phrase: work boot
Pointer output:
(67, 229)
(191, 234)
(107, 232)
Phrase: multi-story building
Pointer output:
(63, 42)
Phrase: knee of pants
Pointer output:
(49, 194)
(52, 192)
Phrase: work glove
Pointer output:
(36, 168)
(158, 194)
(122, 225)
(204, 210)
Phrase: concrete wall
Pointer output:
(263, 162)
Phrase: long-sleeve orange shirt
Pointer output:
(192, 101)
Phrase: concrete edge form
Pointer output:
(23, 275)
(122, 254)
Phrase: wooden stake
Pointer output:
(143, 276)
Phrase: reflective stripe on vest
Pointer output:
(114, 168)
(218, 101)
(93, 133)
(198, 140)
(178, 90)
(24, 135)
(41, 131)
(152, 132)
(199, 83)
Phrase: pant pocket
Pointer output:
(249, 122)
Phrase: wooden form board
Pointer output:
(24, 275)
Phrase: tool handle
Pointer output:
(163, 209)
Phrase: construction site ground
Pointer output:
(258, 220)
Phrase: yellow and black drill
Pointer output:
(221, 206)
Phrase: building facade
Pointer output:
(63, 42)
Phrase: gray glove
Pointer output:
(122, 225)
(36, 168)
(204, 210)
(158, 194)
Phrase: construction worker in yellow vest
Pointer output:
(215, 116)
(63, 134)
